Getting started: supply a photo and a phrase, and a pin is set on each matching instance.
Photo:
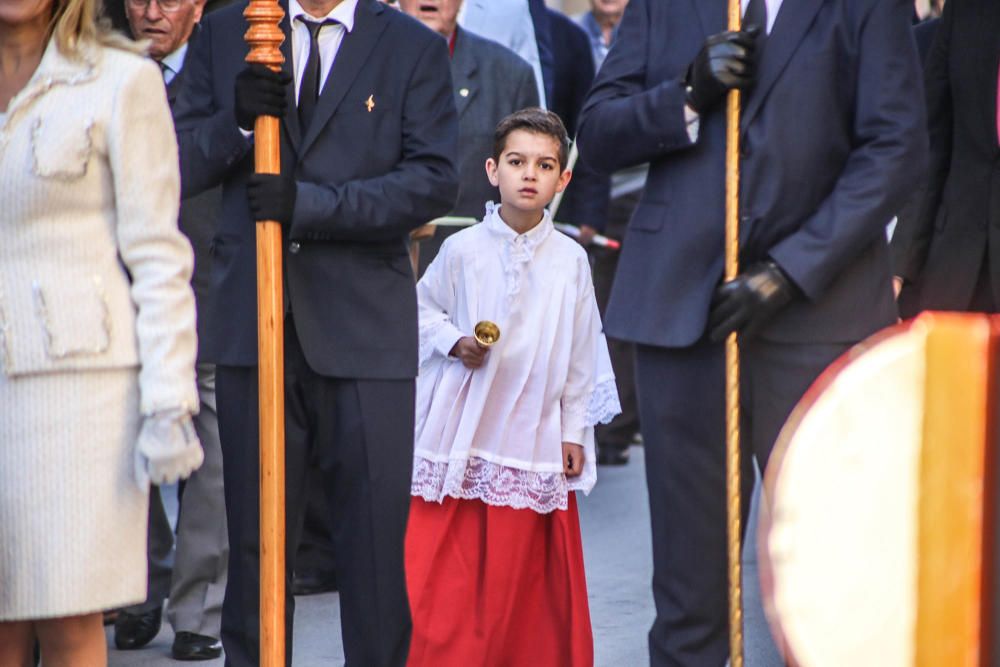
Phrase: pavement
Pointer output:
(617, 553)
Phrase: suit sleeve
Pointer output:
(209, 140)
(913, 233)
(890, 145)
(424, 183)
(625, 123)
(527, 89)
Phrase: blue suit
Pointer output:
(831, 135)
(376, 162)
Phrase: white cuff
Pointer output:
(445, 339)
(693, 121)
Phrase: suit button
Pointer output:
(294, 247)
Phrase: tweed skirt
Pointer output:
(72, 518)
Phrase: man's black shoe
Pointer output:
(612, 456)
(134, 631)
(313, 583)
(192, 646)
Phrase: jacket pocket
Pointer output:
(941, 219)
(74, 319)
(61, 146)
(649, 216)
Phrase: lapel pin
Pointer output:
(464, 92)
(370, 103)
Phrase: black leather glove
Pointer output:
(748, 301)
(272, 197)
(727, 60)
(260, 92)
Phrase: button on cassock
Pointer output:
(294, 247)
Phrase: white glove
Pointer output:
(168, 449)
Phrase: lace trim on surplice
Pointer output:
(492, 483)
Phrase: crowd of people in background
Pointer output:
(388, 124)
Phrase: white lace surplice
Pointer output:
(495, 433)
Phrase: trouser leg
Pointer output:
(623, 428)
(681, 396)
(681, 399)
(366, 451)
(315, 553)
(202, 555)
(159, 555)
(238, 427)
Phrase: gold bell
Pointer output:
(487, 333)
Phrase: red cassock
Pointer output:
(496, 586)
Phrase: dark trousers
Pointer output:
(682, 403)
(623, 428)
(361, 434)
(315, 553)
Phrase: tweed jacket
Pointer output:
(94, 273)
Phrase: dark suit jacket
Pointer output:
(497, 82)
(366, 177)
(830, 136)
(939, 251)
(546, 48)
(198, 217)
(589, 193)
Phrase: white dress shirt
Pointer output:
(173, 62)
(772, 11)
(330, 38)
(509, 23)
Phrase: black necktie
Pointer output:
(309, 88)
(756, 14)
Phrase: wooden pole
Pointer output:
(733, 508)
(265, 38)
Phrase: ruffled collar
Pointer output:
(518, 249)
(530, 240)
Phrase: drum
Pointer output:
(877, 526)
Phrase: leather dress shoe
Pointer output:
(612, 456)
(192, 646)
(133, 631)
(313, 582)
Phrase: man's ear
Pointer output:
(564, 179)
(491, 172)
(199, 10)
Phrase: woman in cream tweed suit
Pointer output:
(97, 341)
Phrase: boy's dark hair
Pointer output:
(539, 121)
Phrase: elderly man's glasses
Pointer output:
(165, 5)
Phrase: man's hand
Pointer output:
(260, 92)
(587, 234)
(897, 286)
(272, 197)
(727, 60)
(469, 352)
(572, 457)
(748, 301)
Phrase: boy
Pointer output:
(504, 433)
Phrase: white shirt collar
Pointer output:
(174, 60)
(531, 238)
(342, 13)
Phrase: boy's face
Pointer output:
(528, 172)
